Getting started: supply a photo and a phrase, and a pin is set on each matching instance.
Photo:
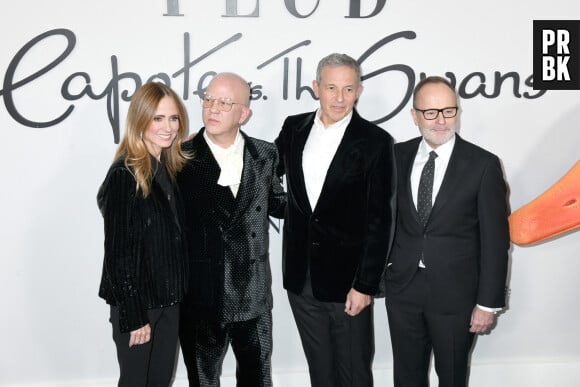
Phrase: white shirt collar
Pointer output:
(236, 147)
(338, 124)
(443, 151)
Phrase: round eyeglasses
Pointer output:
(222, 104)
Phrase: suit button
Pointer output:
(316, 220)
(258, 209)
(253, 235)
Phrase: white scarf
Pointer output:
(230, 161)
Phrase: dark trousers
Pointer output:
(150, 364)
(204, 345)
(416, 331)
(339, 348)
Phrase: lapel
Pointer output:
(458, 166)
(406, 160)
(348, 151)
(204, 159)
(161, 196)
(208, 172)
(302, 130)
(251, 172)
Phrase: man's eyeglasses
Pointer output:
(222, 104)
(431, 114)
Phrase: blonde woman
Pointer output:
(144, 270)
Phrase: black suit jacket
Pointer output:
(345, 239)
(465, 242)
(228, 237)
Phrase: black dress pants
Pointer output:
(150, 364)
(339, 348)
(417, 330)
(204, 345)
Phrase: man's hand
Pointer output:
(356, 302)
(481, 320)
(140, 336)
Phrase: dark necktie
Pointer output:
(424, 197)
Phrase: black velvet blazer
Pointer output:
(145, 251)
(228, 236)
(346, 238)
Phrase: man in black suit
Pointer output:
(229, 188)
(447, 269)
(338, 227)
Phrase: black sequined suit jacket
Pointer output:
(230, 276)
(345, 239)
(145, 249)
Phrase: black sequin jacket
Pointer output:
(228, 237)
(145, 252)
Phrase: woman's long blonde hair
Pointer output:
(132, 147)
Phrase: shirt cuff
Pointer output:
(485, 308)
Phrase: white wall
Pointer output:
(54, 327)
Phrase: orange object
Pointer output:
(554, 212)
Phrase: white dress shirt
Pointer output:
(318, 153)
(230, 161)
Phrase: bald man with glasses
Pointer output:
(229, 189)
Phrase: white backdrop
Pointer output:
(54, 327)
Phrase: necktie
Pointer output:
(424, 197)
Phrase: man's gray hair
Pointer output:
(336, 60)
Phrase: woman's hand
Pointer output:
(140, 336)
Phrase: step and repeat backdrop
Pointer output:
(69, 68)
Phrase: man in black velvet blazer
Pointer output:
(229, 189)
(338, 227)
(445, 277)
